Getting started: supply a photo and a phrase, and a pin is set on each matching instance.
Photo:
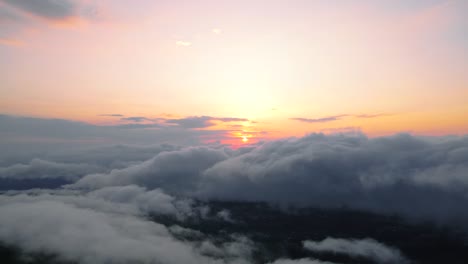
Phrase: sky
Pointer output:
(237, 72)
(171, 131)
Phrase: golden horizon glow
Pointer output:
(380, 67)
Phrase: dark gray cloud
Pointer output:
(202, 121)
(364, 248)
(51, 9)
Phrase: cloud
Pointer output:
(52, 9)
(348, 129)
(18, 17)
(110, 157)
(370, 115)
(406, 175)
(300, 261)
(89, 236)
(40, 169)
(135, 126)
(136, 118)
(183, 43)
(8, 15)
(154, 201)
(175, 171)
(415, 177)
(29, 136)
(192, 122)
(402, 174)
(203, 121)
(365, 248)
(319, 120)
(111, 225)
(93, 219)
(112, 115)
(335, 118)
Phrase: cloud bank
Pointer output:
(118, 194)
(421, 178)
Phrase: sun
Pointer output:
(245, 139)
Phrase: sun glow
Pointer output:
(245, 139)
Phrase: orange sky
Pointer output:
(379, 67)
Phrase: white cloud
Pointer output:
(89, 236)
(182, 43)
(367, 248)
(108, 226)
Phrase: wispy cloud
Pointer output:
(217, 31)
(112, 115)
(136, 118)
(182, 43)
(319, 120)
(371, 115)
(203, 121)
(335, 118)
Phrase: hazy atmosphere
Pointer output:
(235, 132)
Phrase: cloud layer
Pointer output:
(422, 178)
(117, 194)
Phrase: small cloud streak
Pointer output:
(319, 120)
(112, 115)
(335, 130)
(181, 43)
(203, 121)
(335, 118)
(370, 115)
(135, 119)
